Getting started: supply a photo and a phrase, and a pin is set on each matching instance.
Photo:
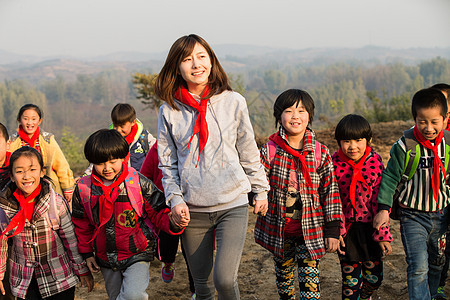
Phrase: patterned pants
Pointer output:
(360, 280)
(308, 271)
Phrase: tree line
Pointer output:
(75, 108)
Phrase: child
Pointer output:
(424, 199)
(358, 171)
(209, 161)
(168, 244)
(44, 259)
(56, 166)
(445, 89)
(305, 212)
(124, 120)
(112, 210)
(4, 147)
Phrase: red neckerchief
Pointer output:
(356, 171)
(30, 141)
(132, 134)
(108, 197)
(6, 162)
(448, 124)
(435, 179)
(277, 139)
(130, 138)
(25, 212)
(200, 127)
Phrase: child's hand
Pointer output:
(92, 264)
(184, 221)
(331, 244)
(341, 245)
(260, 207)
(385, 247)
(2, 289)
(381, 219)
(87, 281)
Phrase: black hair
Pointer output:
(104, 145)
(122, 113)
(4, 132)
(353, 127)
(290, 97)
(27, 107)
(444, 88)
(429, 98)
(27, 152)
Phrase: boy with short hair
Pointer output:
(424, 199)
(140, 141)
(124, 120)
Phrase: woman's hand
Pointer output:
(260, 207)
(331, 245)
(180, 215)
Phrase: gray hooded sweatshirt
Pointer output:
(229, 166)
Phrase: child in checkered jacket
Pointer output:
(305, 211)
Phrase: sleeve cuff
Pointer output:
(383, 207)
(175, 201)
(332, 229)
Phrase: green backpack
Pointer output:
(411, 163)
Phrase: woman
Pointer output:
(210, 162)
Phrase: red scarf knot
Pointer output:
(435, 179)
(277, 139)
(356, 176)
(130, 137)
(108, 197)
(30, 141)
(200, 126)
(25, 212)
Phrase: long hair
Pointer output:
(169, 79)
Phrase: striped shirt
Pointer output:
(418, 193)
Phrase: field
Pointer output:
(256, 272)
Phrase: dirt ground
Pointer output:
(256, 272)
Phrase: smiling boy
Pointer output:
(423, 201)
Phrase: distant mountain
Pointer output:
(234, 58)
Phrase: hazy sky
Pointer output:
(96, 27)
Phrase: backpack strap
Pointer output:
(317, 154)
(412, 155)
(143, 139)
(52, 214)
(84, 188)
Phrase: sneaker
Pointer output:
(167, 272)
(193, 296)
(440, 293)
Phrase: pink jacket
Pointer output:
(366, 193)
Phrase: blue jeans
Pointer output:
(225, 230)
(128, 284)
(423, 237)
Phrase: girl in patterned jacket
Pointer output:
(305, 211)
(358, 170)
(36, 223)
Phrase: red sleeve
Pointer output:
(160, 219)
(150, 167)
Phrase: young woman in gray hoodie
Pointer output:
(210, 162)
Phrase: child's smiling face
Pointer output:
(429, 122)
(27, 173)
(30, 121)
(110, 169)
(295, 119)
